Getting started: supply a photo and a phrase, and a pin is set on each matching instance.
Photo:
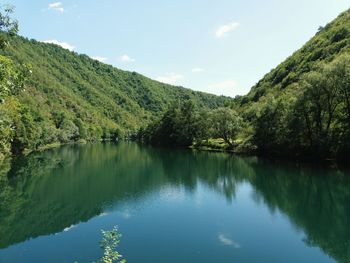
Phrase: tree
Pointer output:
(109, 244)
(8, 25)
(202, 125)
(69, 132)
(12, 78)
(226, 124)
(338, 73)
(318, 104)
(185, 124)
(26, 133)
(266, 125)
(9, 110)
(177, 127)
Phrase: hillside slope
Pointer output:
(123, 97)
(330, 42)
(70, 96)
(302, 107)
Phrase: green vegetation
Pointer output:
(185, 125)
(109, 244)
(301, 109)
(313, 121)
(12, 79)
(177, 127)
(50, 95)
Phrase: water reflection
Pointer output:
(50, 192)
(315, 201)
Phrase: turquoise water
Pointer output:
(171, 206)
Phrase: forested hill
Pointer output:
(69, 96)
(299, 110)
(302, 107)
(81, 86)
(330, 42)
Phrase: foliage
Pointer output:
(329, 43)
(109, 244)
(184, 125)
(312, 121)
(12, 78)
(301, 108)
(8, 112)
(226, 124)
(63, 97)
(7, 24)
(177, 127)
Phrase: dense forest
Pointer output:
(50, 95)
(301, 109)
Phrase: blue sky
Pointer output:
(221, 47)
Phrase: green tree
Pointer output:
(109, 244)
(226, 124)
(12, 78)
(9, 110)
(318, 105)
(202, 125)
(8, 25)
(26, 132)
(69, 132)
(177, 126)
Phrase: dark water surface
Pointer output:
(171, 206)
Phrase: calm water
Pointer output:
(171, 206)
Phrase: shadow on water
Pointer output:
(47, 192)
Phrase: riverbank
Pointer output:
(244, 148)
(4, 158)
(219, 145)
(240, 147)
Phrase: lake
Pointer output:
(171, 206)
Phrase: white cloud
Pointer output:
(226, 241)
(224, 30)
(61, 44)
(170, 78)
(57, 6)
(98, 58)
(126, 58)
(197, 70)
(227, 88)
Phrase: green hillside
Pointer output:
(299, 110)
(329, 43)
(115, 93)
(302, 107)
(68, 97)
